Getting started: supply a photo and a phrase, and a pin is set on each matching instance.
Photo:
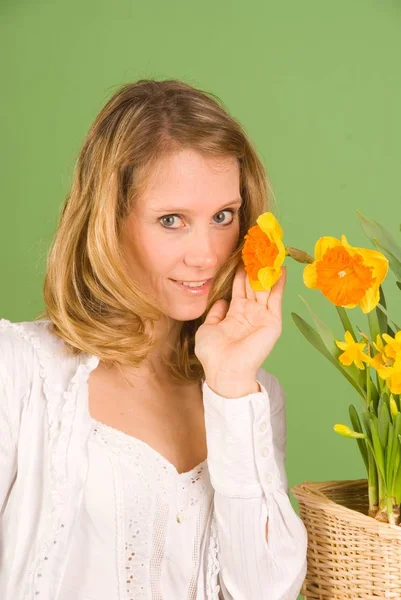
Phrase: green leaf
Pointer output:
(377, 447)
(394, 262)
(384, 310)
(384, 241)
(316, 340)
(385, 398)
(394, 452)
(366, 422)
(325, 332)
(345, 320)
(356, 424)
(388, 450)
(381, 315)
(397, 485)
(374, 326)
(383, 424)
(329, 339)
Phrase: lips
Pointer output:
(192, 281)
(203, 281)
(198, 290)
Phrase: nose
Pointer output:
(200, 251)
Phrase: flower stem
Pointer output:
(390, 512)
(372, 485)
(345, 320)
(368, 387)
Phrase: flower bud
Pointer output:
(346, 431)
(299, 255)
(393, 406)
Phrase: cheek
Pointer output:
(230, 242)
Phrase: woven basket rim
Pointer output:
(312, 494)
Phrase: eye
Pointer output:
(168, 220)
(228, 210)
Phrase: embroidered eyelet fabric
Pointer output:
(142, 524)
(89, 513)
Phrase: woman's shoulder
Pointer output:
(28, 343)
(24, 335)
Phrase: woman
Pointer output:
(148, 361)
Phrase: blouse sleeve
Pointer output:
(8, 462)
(15, 357)
(246, 455)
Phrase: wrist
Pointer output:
(233, 388)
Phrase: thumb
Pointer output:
(217, 312)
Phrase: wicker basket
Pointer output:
(350, 555)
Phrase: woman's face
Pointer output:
(183, 229)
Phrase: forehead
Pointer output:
(190, 179)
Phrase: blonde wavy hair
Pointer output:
(91, 301)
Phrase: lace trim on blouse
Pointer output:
(145, 515)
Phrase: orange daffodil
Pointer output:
(346, 275)
(264, 252)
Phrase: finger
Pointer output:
(238, 290)
(217, 313)
(263, 297)
(275, 303)
(250, 292)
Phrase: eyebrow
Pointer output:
(177, 209)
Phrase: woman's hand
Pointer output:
(236, 337)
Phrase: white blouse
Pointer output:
(91, 513)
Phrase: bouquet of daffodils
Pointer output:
(370, 360)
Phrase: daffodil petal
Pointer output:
(370, 300)
(280, 256)
(379, 266)
(270, 226)
(268, 276)
(348, 338)
(310, 276)
(256, 285)
(323, 244)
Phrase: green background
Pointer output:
(317, 85)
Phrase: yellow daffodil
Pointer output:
(381, 364)
(394, 383)
(392, 376)
(353, 352)
(378, 344)
(393, 347)
(346, 275)
(387, 361)
(346, 431)
(380, 361)
(264, 252)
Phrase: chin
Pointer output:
(187, 313)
